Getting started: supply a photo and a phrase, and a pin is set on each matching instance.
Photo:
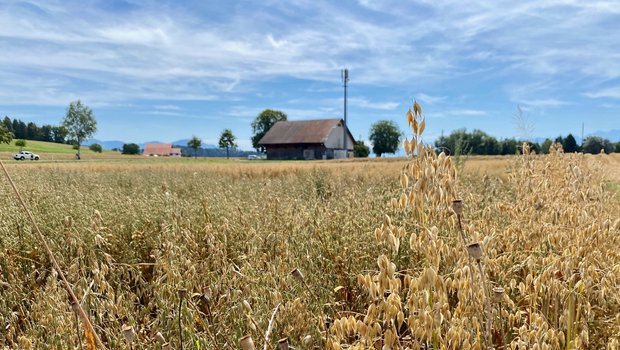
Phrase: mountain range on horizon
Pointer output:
(116, 144)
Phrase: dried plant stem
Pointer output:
(52, 258)
(501, 328)
(316, 297)
(205, 325)
(471, 268)
(77, 329)
(180, 330)
(259, 329)
(487, 305)
(270, 326)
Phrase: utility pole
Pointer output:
(344, 74)
(582, 126)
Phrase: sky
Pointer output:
(159, 70)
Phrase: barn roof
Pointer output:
(160, 149)
(301, 131)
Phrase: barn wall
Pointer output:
(299, 151)
(334, 140)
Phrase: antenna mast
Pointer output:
(344, 74)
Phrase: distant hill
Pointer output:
(107, 145)
(110, 145)
(184, 142)
(611, 135)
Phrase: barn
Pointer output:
(161, 150)
(308, 139)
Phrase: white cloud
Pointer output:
(613, 92)
(458, 113)
(430, 99)
(168, 107)
(548, 102)
(365, 103)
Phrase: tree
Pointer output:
(59, 133)
(227, 140)
(45, 133)
(546, 146)
(21, 143)
(19, 129)
(570, 144)
(79, 122)
(360, 150)
(8, 123)
(6, 136)
(32, 131)
(385, 137)
(617, 147)
(595, 145)
(509, 146)
(131, 148)
(195, 144)
(95, 147)
(263, 122)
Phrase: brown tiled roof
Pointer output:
(160, 149)
(302, 131)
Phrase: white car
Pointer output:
(23, 155)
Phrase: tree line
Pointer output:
(478, 142)
(32, 131)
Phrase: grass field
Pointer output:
(382, 259)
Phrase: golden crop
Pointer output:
(336, 255)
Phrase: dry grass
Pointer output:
(380, 254)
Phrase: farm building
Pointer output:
(308, 139)
(161, 150)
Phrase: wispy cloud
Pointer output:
(365, 103)
(168, 107)
(549, 102)
(613, 92)
(459, 113)
(430, 99)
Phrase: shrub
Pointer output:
(131, 148)
(95, 147)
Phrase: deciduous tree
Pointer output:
(195, 144)
(227, 140)
(385, 137)
(21, 143)
(595, 145)
(131, 148)
(262, 123)
(5, 135)
(79, 122)
(360, 150)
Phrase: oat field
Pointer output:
(374, 254)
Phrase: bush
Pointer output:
(95, 147)
(131, 148)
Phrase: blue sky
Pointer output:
(157, 70)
